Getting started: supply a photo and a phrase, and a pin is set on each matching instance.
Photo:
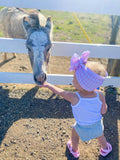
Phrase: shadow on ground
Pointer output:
(6, 61)
(111, 119)
(13, 108)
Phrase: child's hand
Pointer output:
(45, 84)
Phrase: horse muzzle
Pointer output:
(40, 79)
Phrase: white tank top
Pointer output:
(88, 110)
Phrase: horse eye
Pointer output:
(48, 56)
(29, 49)
(47, 49)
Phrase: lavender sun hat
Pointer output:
(87, 79)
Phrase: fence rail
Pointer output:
(58, 49)
(56, 79)
(67, 49)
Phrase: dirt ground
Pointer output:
(35, 124)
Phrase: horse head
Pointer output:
(38, 44)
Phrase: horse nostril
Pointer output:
(40, 78)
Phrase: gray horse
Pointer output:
(37, 30)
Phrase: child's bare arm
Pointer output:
(69, 96)
(104, 105)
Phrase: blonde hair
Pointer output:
(97, 67)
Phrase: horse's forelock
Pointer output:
(34, 20)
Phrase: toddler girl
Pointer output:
(88, 104)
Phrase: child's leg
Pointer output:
(75, 140)
(102, 141)
(106, 147)
(73, 144)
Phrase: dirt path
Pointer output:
(36, 124)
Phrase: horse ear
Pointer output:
(26, 24)
(49, 24)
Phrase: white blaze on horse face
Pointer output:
(39, 41)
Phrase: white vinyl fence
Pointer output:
(62, 48)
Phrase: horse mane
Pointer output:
(22, 10)
(29, 11)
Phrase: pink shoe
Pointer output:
(75, 154)
(105, 152)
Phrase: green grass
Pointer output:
(98, 27)
(66, 29)
(1, 34)
(1, 8)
